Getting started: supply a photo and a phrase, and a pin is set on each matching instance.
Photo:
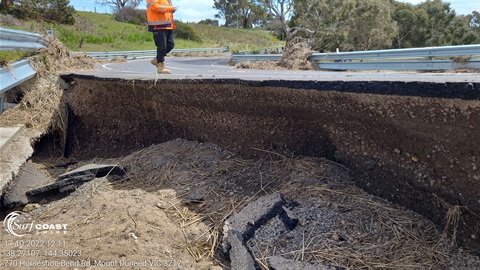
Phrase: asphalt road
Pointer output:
(218, 68)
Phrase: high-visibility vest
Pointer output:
(160, 15)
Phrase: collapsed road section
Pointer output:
(415, 144)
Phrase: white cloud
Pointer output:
(194, 10)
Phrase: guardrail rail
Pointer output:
(17, 40)
(10, 77)
(273, 50)
(395, 59)
(130, 55)
(18, 72)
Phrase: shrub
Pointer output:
(52, 10)
(209, 22)
(131, 15)
(185, 31)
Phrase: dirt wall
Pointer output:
(419, 150)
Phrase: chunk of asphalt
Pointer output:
(76, 180)
(240, 256)
(98, 170)
(280, 263)
(289, 219)
(239, 228)
(28, 177)
(255, 214)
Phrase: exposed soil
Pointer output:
(425, 148)
(417, 147)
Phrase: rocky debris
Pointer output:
(73, 179)
(30, 207)
(280, 263)
(239, 228)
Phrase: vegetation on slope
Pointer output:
(101, 32)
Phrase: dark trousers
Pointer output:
(164, 42)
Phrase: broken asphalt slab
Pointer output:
(240, 227)
(8, 134)
(14, 155)
(71, 180)
(28, 178)
(99, 170)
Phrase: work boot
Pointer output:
(161, 69)
(154, 61)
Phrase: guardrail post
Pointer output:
(2, 100)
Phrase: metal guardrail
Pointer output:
(10, 77)
(402, 65)
(20, 40)
(381, 59)
(443, 51)
(20, 71)
(237, 58)
(263, 51)
(147, 53)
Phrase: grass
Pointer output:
(10, 56)
(101, 32)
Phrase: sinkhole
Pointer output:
(415, 144)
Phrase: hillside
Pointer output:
(100, 32)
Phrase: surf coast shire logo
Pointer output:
(21, 229)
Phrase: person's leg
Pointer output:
(170, 41)
(160, 39)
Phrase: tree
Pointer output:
(328, 19)
(119, 4)
(458, 32)
(432, 23)
(283, 10)
(372, 26)
(439, 16)
(226, 10)
(240, 13)
(410, 21)
(474, 23)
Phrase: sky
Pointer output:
(196, 10)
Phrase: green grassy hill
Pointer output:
(100, 32)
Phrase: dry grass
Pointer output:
(295, 57)
(40, 108)
(43, 107)
(57, 58)
(402, 240)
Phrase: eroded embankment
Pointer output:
(414, 144)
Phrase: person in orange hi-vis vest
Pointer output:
(160, 22)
